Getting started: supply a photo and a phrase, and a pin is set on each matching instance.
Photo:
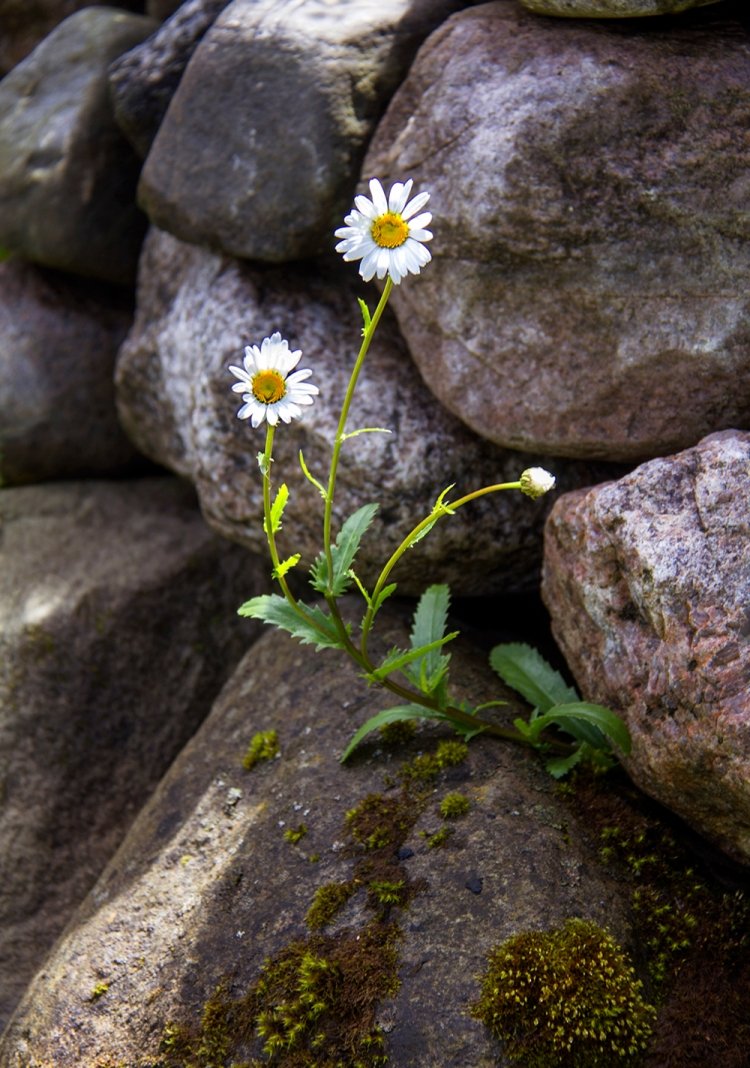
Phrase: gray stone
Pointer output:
(611, 9)
(26, 22)
(589, 291)
(58, 343)
(647, 581)
(67, 174)
(195, 313)
(258, 153)
(162, 9)
(205, 886)
(143, 81)
(117, 629)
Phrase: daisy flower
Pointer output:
(388, 235)
(270, 387)
(535, 482)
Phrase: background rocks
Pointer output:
(197, 310)
(67, 174)
(117, 628)
(647, 581)
(588, 295)
(611, 9)
(58, 342)
(258, 152)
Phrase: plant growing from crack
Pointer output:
(388, 235)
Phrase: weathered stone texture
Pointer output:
(281, 99)
(206, 887)
(611, 9)
(589, 289)
(195, 313)
(117, 629)
(67, 174)
(647, 581)
(58, 342)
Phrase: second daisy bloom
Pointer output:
(387, 233)
(270, 387)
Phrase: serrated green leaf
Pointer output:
(430, 621)
(397, 659)
(307, 623)
(388, 715)
(277, 508)
(366, 317)
(384, 594)
(286, 565)
(559, 766)
(343, 552)
(526, 671)
(578, 715)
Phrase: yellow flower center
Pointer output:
(389, 230)
(268, 386)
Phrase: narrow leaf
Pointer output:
(309, 625)
(286, 565)
(343, 552)
(366, 317)
(388, 715)
(430, 621)
(277, 508)
(526, 670)
(366, 430)
(397, 658)
(581, 713)
(310, 478)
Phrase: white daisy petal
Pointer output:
(423, 219)
(415, 205)
(378, 197)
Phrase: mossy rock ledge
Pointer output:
(200, 942)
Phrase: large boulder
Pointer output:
(117, 629)
(208, 886)
(143, 81)
(259, 150)
(195, 312)
(58, 342)
(589, 292)
(67, 174)
(647, 581)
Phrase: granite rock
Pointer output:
(647, 581)
(611, 9)
(589, 289)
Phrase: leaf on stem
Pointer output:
(428, 671)
(439, 509)
(365, 430)
(397, 658)
(586, 722)
(277, 508)
(526, 671)
(366, 317)
(286, 565)
(343, 552)
(389, 715)
(310, 478)
(308, 623)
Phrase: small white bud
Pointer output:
(535, 482)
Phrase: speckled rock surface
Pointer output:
(67, 174)
(206, 887)
(195, 313)
(58, 342)
(258, 153)
(611, 9)
(117, 629)
(589, 289)
(647, 581)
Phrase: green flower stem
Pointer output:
(410, 539)
(340, 431)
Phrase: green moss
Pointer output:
(427, 766)
(453, 806)
(98, 991)
(438, 839)
(328, 901)
(294, 835)
(566, 998)
(379, 821)
(398, 733)
(384, 892)
(263, 746)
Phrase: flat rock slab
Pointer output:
(647, 581)
(117, 629)
(589, 289)
(67, 174)
(259, 151)
(206, 887)
(58, 342)
(195, 313)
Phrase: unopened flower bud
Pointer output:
(535, 482)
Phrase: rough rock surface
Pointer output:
(117, 629)
(25, 22)
(589, 292)
(281, 97)
(197, 310)
(205, 887)
(647, 581)
(67, 174)
(58, 342)
(611, 9)
(143, 81)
